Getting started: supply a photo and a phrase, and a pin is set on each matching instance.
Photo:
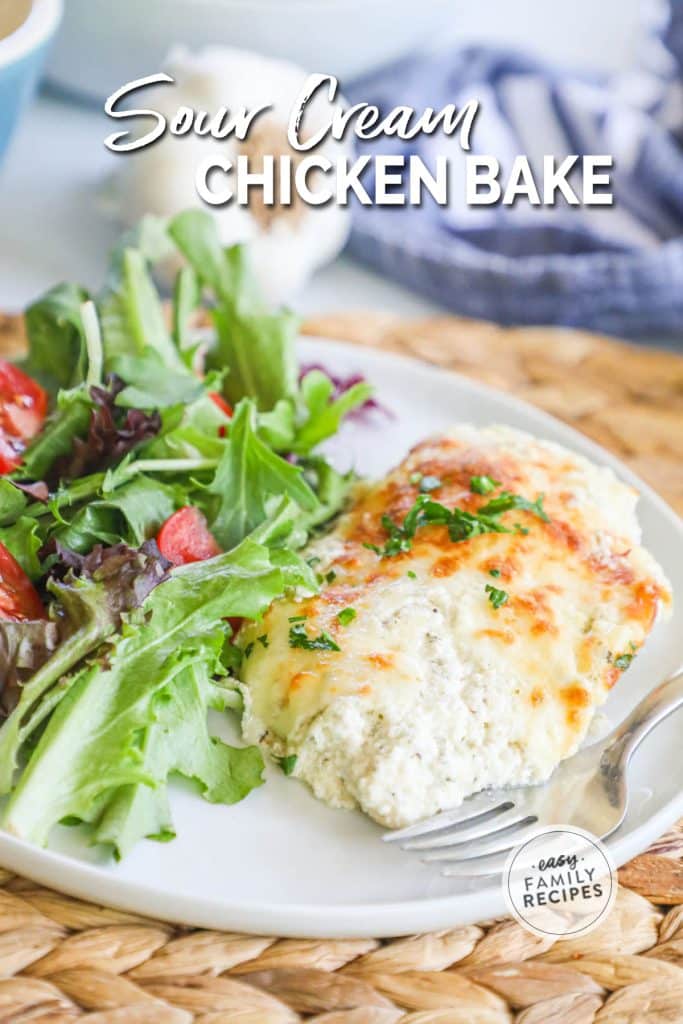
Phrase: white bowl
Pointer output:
(97, 52)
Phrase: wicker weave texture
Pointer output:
(62, 960)
(626, 397)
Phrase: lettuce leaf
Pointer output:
(117, 702)
(88, 608)
(151, 383)
(324, 413)
(258, 347)
(24, 647)
(23, 540)
(225, 270)
(156, 672)
(132, 318)
(132, 514)
(197, 430)
(248, 477)
(261, 353)
(68, 422)
(57, 350)
(186, 298)
(12, 502)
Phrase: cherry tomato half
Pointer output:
(186, 538)
(23, 407)
(19, 599)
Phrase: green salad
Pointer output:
(163, 500)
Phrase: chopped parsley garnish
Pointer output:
(483, 484)
(288, 764)
(622, 661)
(248, 649)
(331, 576)
(263, 640)
(494, 572)
(505, 502)
(413, 575)
(297, 618)
(347, 615)
(496, 597)
(461, 524)
(298, 637)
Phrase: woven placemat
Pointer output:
(63, 960)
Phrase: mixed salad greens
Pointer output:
(162, 501)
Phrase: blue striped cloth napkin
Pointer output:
(617, 269)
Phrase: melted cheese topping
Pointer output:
(435, 693)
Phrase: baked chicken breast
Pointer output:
(478, 605)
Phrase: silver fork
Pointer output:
(588, 790)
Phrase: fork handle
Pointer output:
(652, 710)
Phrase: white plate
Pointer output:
(281, 863)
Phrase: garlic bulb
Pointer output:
(286, 243)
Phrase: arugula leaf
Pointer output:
(256, 346)
(225, 271)
(144, 504)
(132, 318)
(57, 350)
(325, 414)
(90, 525)
(132, 513)
(248, 475)
(260, 352)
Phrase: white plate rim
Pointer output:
(330, 921)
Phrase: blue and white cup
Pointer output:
(26, 29)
